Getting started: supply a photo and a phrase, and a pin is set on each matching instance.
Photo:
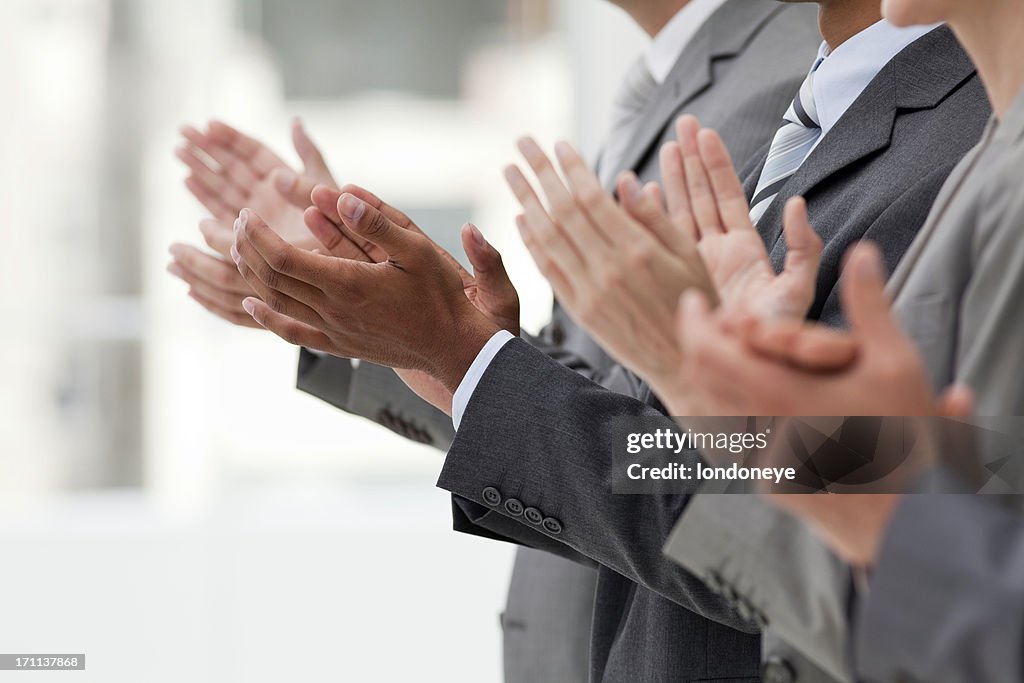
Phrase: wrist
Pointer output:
(470, 333)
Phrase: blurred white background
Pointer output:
(169, 503)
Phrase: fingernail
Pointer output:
(284, 180)
(235, 256)
(351, 208)
(478, 236)
(527, 146)
(562, 150)
(248, 305)
(511, 174)
(174, 250)
(175, 270)
(243, 218)
(633, 188)
(869, 267)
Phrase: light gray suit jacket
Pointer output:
(932, 614)
(738, 74)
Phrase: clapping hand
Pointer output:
(230, 171)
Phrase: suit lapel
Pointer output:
(725, 34)
(920, 77)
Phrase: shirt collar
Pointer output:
(667, 46)
(846, 71)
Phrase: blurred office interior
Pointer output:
(170, 505)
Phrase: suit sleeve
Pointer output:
(570, 345)
(790, 581)
(376, 393)
(945, 616)
(546, 468)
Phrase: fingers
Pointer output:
(547, 243)
(211, 200)
(213, 283)
(956, 401)
(228, 163)
(218, 235)
(289, 329)
(643, 205)
(808, 347)
(369, 223)
(198, 268)
(698, 184)
(728, 191)
(606, 218)
(332, 236)
(312, 160)
(803, 257)
(281, 274)
(295, 188)
(325, 200)
(541, 252)
(487, 264)
(256, 155)
(864, 299)
(391, 213)
(212, 183)
(563, 209)
(235, 314)
(677, 197)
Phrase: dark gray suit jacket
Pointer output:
(738, 74)
(539, 434)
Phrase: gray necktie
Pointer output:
(790, 147)
(631, 102)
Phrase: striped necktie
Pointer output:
(790, 147)
(631, 102)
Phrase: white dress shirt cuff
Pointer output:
(324, 354)
(480, 364)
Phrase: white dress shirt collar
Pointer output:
(846, 71)
(666, 47)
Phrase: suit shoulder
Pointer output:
(799, 17)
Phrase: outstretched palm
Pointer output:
(231, 171)
(705, 198)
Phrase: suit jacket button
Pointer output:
(777, 670)
(533, 516)
(557, 334)
(552, 526)
(514, 507)
(492, 496)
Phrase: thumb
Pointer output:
(488, 268)
(371, 224)
(803, 251)
(864, 298)
(295, 188)
(956, 401)
(312, 160)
